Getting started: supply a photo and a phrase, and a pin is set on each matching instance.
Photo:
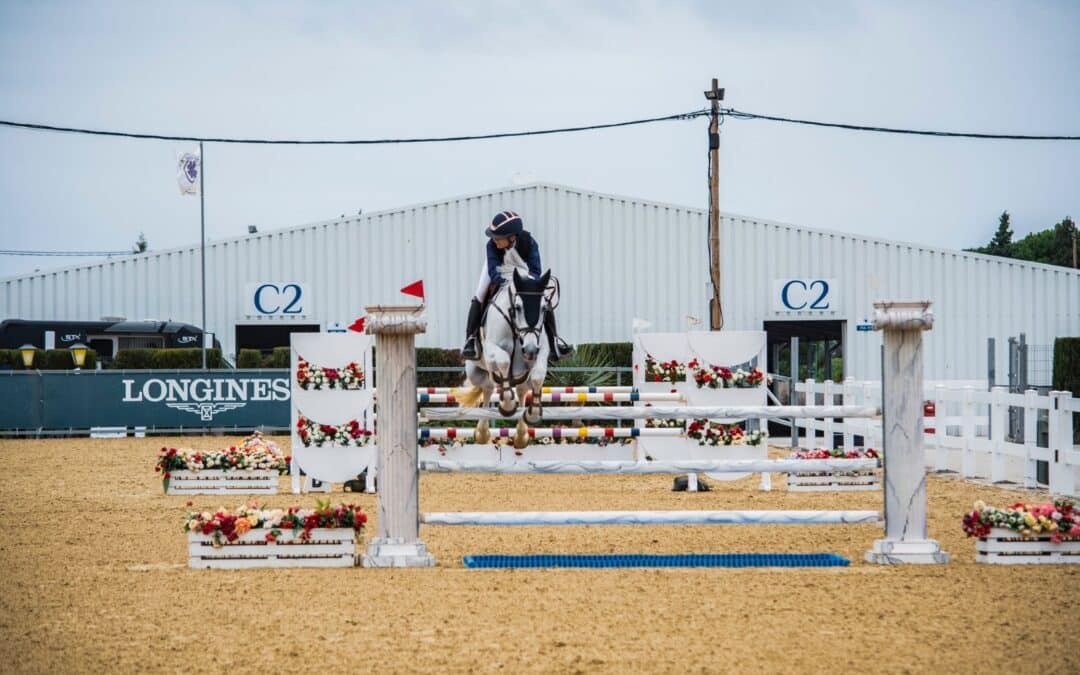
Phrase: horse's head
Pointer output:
(530, 303)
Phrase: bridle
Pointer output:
(551, 294)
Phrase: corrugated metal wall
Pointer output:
(975, 297)
(618, 258)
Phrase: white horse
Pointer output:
(514, 353)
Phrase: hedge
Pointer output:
(166, 359)
(280, 358)
(1067, 364)
(53, 359)
(249, 358)
(432, 357)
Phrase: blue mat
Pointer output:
(642, 560)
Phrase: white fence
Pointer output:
(967, 432)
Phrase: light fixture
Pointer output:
(78, 352)
(27, 352)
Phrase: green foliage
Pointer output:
(431, 357)
(133, 359)
(185, 359)
(279, 358)
(1053, 246)
(1067, 364)
(585, 356)
(249, 358)
(166, 359)
(53, 359)
(621, 354)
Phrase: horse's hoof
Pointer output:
(507, 412)
(533, 416)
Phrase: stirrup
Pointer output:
(471, 351)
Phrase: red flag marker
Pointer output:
(416, 289)
(358, 325)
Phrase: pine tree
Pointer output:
(1001, 244)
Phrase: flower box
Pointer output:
(848, 481)
(211, 481)
(325, 547)
(1004, 546)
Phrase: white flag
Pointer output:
(641, 324)
(188, 168)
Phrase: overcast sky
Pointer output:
(399, 69)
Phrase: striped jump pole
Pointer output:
(463, 433)
(673, 412)
(579, 397)
(545, 390)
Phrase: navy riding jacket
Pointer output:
(526, 247)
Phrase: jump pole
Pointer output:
(397, 543)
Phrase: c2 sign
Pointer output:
(804, 295)
(276, 298)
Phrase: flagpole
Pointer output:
(202, 254)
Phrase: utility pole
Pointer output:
(716, 312)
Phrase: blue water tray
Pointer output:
(647, 560)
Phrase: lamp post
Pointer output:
(78, 353)
(27, 352)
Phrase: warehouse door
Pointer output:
(265, 337)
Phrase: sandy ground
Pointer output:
(94, 560)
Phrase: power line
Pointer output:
(78, 254)
(370, 141)
(741, 115)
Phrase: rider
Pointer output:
(509, 246)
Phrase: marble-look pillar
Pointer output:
(397, 543)
(905, 466)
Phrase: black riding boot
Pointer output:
(471, 350)
(557, 348)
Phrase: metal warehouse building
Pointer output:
(618, 259)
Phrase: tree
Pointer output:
(1001, 244)
(140, 244)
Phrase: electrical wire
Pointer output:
(370, 141)
(80, 254)
(743, 115)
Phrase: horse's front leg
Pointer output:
(499, 362)
(532, 391)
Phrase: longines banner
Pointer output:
(147, 398)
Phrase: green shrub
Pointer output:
(1067, 364)
(133, 359)
(433, 357)
(597, 356)
(185, 359)
(61, 359)
(279, 358)
(249, 358)
(620, 354)
(53, 359)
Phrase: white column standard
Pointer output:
(905, 466)
(398, 542)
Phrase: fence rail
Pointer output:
(965, 430)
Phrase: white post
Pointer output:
(941, 452)
(998, 412)
(827, 423)
(1062, 474)
(1031, 415)
(397, 543)
(849, 397)
(905, 467)
(967, 433)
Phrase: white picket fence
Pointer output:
(969, 430)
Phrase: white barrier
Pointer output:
(672, 412)
(652, 518)
(398, 542)
(702, 466)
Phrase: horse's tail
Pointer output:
(471, 398)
